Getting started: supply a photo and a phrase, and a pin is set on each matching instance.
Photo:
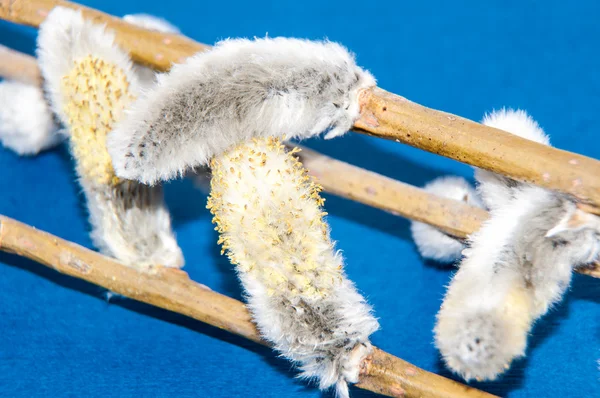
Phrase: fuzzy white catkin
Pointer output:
(151, 22)
(27, 125)
(269, 216)
(237, 90)
(90, 82)
(433, 243)
(518, 264)
(492, 187)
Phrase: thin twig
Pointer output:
(342, 179)
(389, 116)
(173, 290)
(15, 65)
(383, 114)
(451, 216)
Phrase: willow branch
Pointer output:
(383, 114)
(386, 115)
(173, 290)
(451, 216)
(18, 66)
(159, 50)
(342, 179)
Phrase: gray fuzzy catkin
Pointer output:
(27, 125)
(132, 224)
(89, 81)
(517, 266)
(238, 90)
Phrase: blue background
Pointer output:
(59, 337)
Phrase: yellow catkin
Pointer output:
(518, 309)
(97, 93)
(268, 213)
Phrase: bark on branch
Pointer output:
(173, 290)
(18, 66)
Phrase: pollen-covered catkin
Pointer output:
(90, 83)
(270, 220)
(27, 124)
